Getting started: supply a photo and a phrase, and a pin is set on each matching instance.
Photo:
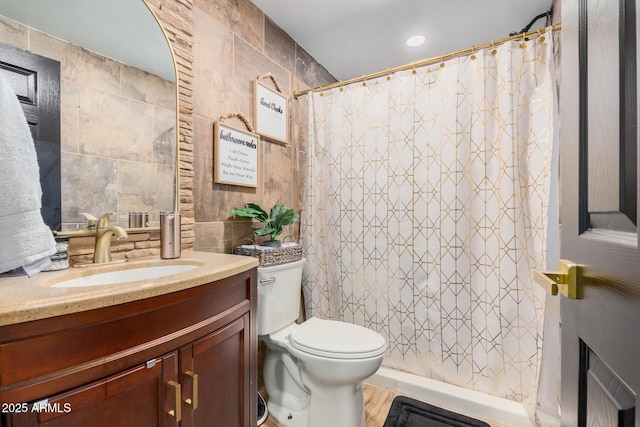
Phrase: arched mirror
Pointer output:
(117, 100)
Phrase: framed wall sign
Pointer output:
(270, 113)
(235, 154)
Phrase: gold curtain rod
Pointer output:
(424, 62)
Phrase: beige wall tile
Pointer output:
(213, 71)
(145, 187)
(86, 68)
(278, 175)
(213, 236)
(248, 65)
(309, 70)
(13, 33)
(143, 86)
(279, 46)
(242, 232)
(129, 123)
(69, 117)
(164, 136)
(95, 195)
(240, 16)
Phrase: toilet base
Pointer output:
(336, 406)
(347, 399)
(286, 417)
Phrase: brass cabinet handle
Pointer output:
(177, 390)
(193, 402)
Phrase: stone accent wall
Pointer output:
(220, 47)
(233, 44)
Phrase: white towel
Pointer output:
(25, 240)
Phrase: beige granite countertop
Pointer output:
(23, 299)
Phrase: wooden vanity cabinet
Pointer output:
(218, 360)
(181, 359)
(130, 398)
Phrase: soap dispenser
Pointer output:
(170, 234)
(90, 223)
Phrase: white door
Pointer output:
(598, 212)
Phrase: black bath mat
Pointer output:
(407, 412)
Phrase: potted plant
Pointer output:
(272, 223)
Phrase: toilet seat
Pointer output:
(338, 340)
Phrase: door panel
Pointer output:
(609, 400)
(598, 214)
(36, 81)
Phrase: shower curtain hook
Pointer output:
(542, 38)
(414, 71)
(524, 43)
(388, 74)
(493, 48)
(364, 80)
(441, 61)
(473, 53)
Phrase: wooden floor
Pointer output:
(377, 402)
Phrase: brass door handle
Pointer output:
(193, 402)
(566, 280)
(177, 390)
(548, 280)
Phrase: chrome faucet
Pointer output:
(104, 231)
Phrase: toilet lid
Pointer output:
(340, 340)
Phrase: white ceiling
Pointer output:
(351, 38)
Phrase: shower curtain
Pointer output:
(425, 214)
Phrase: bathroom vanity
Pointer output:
(178, 350)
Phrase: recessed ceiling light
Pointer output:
(416, 40)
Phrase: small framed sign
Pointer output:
(235, 154)
(270, 112)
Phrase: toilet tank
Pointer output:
(279, 296)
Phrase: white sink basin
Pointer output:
(126, 275)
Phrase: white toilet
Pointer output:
(313, 372)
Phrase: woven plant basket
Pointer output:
(271, 256)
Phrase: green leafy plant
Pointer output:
(272, 223)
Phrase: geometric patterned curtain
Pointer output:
(425, 214)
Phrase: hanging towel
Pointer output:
(25, 240)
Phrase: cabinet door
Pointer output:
(221, 362)
(136, 397)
